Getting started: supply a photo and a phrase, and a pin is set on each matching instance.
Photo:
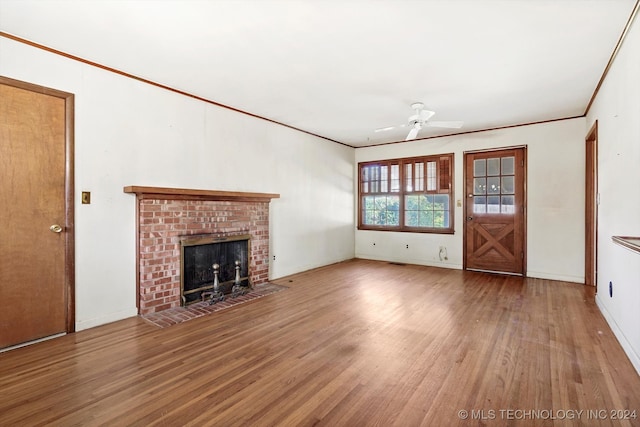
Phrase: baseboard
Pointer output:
(559, 277)
(275, 275)
(622, 339)
(103, 320)
(449, 265)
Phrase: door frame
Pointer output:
(524, 202)
(69, 225)
(591, 208)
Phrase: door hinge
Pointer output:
(522, 255)
(597, 198)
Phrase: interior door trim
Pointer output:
(69, 226)
(524, 203)
(591, 207)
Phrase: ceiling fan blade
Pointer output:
(412, 134)
(426, 115)
(389, 128)
(451, 125)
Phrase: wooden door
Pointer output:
(494, 235)
(591, 208)
(36, 239)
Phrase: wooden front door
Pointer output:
(36, 219)
(494, 238)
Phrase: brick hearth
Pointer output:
(166, 215)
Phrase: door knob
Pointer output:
(55, 228)
(469, 218)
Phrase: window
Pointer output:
(413, 194)
(494, 185)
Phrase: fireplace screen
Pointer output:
(200, 253)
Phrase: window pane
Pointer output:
(426, 219)
(419, 181)
(439, 219)
(493, 204)
(427, 211)
(479, 167)
(381, 210)
(508, 165)
(372, 178)
(493, 167)
(395, 178)
(375, 186)
(508, 185)
(479, 186)
(479, 204)
(412, 203)
(393, 218)
(426, 203)
(393, 206)
(380, 203)
(369, 217)
(493, 185)
(441, 202)
(365, 179)
(408, 176)
(393, 203)
(411, 218)
(508, 205)
(368, 202)
(384, 179)
(432, 183)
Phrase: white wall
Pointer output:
(131, 133)
(617, 110)
(555, 193)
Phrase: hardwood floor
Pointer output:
(353, 344)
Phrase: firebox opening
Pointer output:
(200, 253)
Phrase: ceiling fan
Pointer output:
(420, 119)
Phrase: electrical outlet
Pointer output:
(407, 246)
(274, 257)
(611, 289)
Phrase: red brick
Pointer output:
(163, 221)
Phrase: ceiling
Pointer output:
(340, 69)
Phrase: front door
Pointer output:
(36, 219)
(495, 211)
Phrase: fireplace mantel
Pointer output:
(164, 193)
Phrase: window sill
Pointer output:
(408, 230)
(629, 242)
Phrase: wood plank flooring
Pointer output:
(359, 343)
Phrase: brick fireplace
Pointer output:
(167, 215)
